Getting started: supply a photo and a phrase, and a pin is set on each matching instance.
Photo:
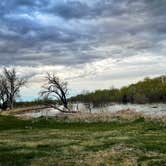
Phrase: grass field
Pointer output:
(56, 141)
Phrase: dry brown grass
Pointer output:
(109, 117)
(20, 110)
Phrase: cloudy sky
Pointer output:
(90, 43)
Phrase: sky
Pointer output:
(92, 44)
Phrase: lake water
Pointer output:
(148, 109)
(151, 109)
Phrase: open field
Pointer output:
(82, 141)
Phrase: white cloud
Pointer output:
(97, 75)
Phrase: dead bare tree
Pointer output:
(3, 92)
(58, 89)
(13, 85)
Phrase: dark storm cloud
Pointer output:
(88, 9)
(40, 32)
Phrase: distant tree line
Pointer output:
(146, 91)
(36, 102)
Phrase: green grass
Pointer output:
(59, 142)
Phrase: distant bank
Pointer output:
(150, 90)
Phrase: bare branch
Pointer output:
(10, 86)
(56, 88)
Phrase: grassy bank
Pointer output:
(66, 141)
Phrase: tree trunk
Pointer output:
(11, 103)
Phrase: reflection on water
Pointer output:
(150, 109)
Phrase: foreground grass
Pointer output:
(56, 141)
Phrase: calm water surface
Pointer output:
(149, 109)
